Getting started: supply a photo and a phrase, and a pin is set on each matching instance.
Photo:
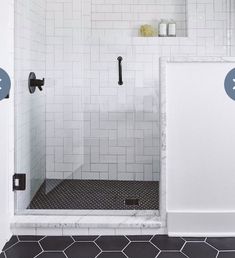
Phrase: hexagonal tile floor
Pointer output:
(57, 194)
(118, 247)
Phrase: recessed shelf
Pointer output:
(160, 37)
(159, 40)
(127, 19)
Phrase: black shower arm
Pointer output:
(120, 82)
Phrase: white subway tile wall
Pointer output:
(30, 127)
(97, 129)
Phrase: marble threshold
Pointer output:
(135, 221)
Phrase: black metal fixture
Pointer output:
(19, 182)
(132, 202)
(33, 82)
(120, 82)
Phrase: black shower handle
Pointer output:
(33, 82)
(120, 82)
(37, 83)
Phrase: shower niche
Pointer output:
(125, 18)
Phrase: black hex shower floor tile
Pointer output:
(226, 243)
(24, 250)
(171, 255)
(10, 243)
(226, 255)
(83, 250)
(112, 243)
(56, 243)
(199, 250)
(52, 255)
(111, 255)
(57, 194)
(168, 243)
(140, 250)
(2, 255)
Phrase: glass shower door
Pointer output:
(30, 109)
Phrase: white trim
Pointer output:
(201, 224)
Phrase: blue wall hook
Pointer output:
(5, 84)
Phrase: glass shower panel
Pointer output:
(30, 115)
(84, 138)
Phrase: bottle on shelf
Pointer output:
(171, 31)
(162, 30)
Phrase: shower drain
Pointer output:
(132, 202)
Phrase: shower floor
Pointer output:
(96, 195)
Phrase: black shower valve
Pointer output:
(34, 82)
(37, 83)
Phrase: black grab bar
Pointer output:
(120, 82)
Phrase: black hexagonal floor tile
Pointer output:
(82, 249)
(2, 255)
(112, 243)
(56, 243)
(194, 239)
(171, 255)
(140, 250)
(52, 255)
(226, 243)
(10, 243)
(85, 238)
(197, 249)
(23, 250)
(226, 255)
(30, 238)
(112, 255)
(139, 238)
(166, 243)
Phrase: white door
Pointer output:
(6, 121)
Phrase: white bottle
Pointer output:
(162, 30)
(171, 32)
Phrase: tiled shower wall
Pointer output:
(64, 118)
(30, 127)
(95, 128)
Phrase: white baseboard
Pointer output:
(206, 224)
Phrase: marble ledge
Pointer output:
(90, 212)
(86, 222)
(190, 59)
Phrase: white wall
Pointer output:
(200, 150)
(232, 32)
(6, 122)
